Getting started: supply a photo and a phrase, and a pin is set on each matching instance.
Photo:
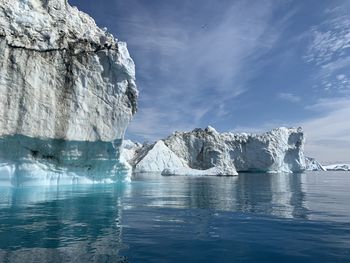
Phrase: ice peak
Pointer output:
(210, 129)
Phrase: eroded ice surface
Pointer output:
(31, 161)
(67, 94)
(205, 151)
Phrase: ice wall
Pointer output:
(67, 91)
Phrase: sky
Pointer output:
(237, 65)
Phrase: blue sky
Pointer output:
(237, 66)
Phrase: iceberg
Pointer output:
(208, 152)
(156, 158)
(129, 149)
(313, 165)
(214, 171)
(280, 150)
(337, 167)
(67, 95)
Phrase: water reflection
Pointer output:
(94, 223)
(75, 224)
(281, 195)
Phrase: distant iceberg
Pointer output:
(159, 158)
(207, 152)
(337, 167)
(313, 165)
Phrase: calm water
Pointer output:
(251, 218)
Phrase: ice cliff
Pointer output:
(207, 152)
(67, 93)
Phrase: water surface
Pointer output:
(249, 218)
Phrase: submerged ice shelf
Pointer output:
(39, 161)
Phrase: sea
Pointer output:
(248, 218)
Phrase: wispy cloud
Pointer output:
(289, 97)
(330, 40)
(328, 132)
(194, 70)
(328, 136)
(329, 51)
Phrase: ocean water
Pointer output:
(249, 218)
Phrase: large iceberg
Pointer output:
(67, 94)
(207, 152)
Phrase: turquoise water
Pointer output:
(250, 218)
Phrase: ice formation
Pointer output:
(207, 152)
(280, 150)
(214, 171)
(313, 165)
(337, 167)
(129, 149)
(67, 93)
(156, 158)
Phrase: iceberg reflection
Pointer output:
(75, 224)
(280, 195)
